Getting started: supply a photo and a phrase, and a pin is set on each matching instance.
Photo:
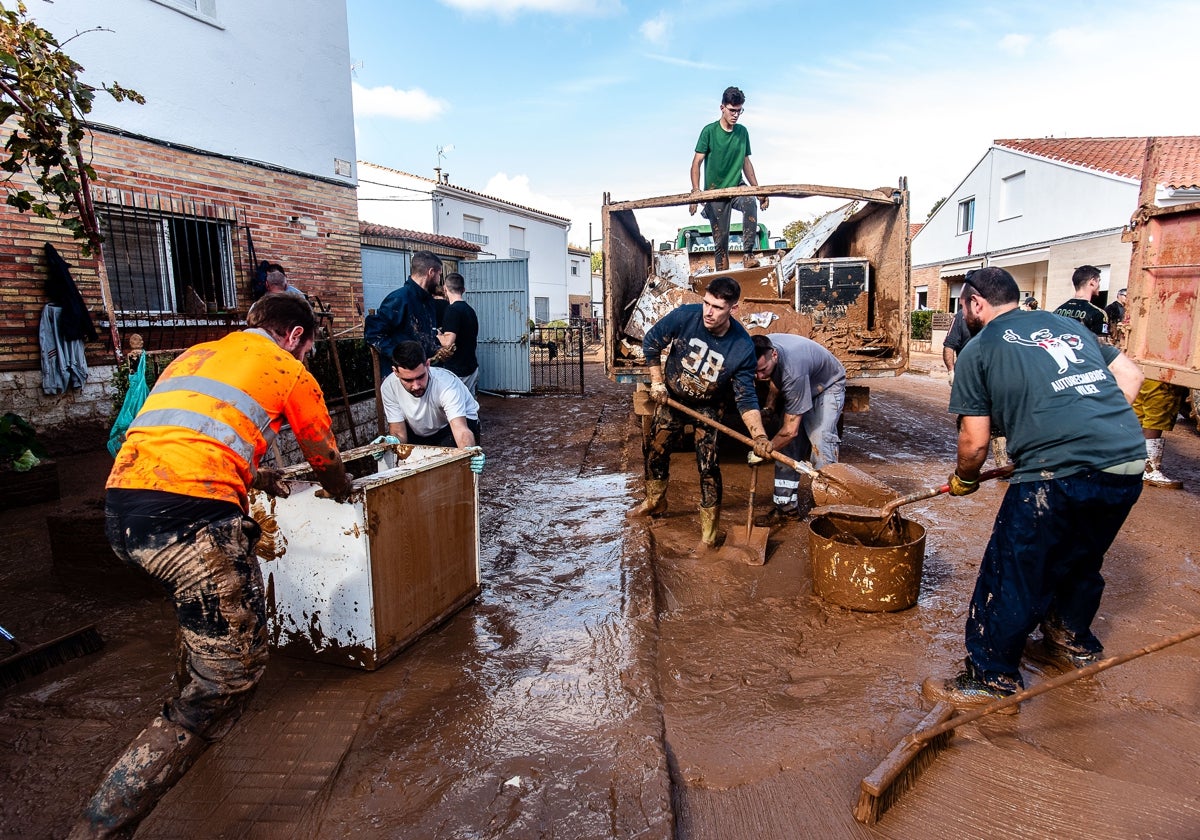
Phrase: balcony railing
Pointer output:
(477, 238)
(518, 253)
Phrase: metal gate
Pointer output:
(383, 271)
(498, 291)
(556, 359)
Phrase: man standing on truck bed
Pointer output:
(724, 149)
(176, 505)
(708, 354)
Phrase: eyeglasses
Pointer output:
(733, 110)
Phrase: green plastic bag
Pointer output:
(134, 397)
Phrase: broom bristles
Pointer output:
(871, 805)
(900, 769)
(29, 663)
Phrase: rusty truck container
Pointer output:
(845, 285)
(1163, 307)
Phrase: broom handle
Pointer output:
(930, 492)
(799, 466)
(1051, 684)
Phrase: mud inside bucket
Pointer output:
(852, 569)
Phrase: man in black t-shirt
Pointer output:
(1086, 280)
(459, 331)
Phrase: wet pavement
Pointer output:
(613, 681)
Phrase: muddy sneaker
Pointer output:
(1046, 652)
(776, 516)
(965, 692)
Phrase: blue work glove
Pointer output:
(378, 456)
(477, 463)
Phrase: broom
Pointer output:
(29, 662)
(899, 771)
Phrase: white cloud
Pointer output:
(517, 190)
(510, 8)
(1015, 44)
(683, 62)
(415, 104)
(656, 29)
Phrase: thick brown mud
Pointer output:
(615, 680)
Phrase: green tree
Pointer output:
(597, 261)
(47, 103)
(793, 232)
(935, 207)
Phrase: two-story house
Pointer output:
(502, 229)
(1041, 207)
(243, 152)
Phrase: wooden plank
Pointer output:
(881, 195)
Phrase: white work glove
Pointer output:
(753, 460)
(477, 462)
(659, 393)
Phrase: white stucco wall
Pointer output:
(1060, 201)
(579, 283)
(396, 199)
(267, 81)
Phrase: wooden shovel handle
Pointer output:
(930, 492)
(799, 466)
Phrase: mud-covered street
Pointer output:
(611, 681)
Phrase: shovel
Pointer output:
(885, 515)
(754, 549)
(850, 484)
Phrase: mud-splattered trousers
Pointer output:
(1042, 564)
(209, 570)
(666, 429)
(719, 214)
(818, 436)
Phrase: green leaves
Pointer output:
(45, 102)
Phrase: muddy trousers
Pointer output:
(211, 573)
(719, 214)
(666, 430)
(1042, 564)
(818, 437)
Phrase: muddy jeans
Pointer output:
(1043, 564)
(719, 213)
(666, 429)
(818, 436)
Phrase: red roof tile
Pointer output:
(914, 228)
(1179, 163)
(372, 229)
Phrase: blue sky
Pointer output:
(551, 103)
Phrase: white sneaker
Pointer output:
(1155, 478)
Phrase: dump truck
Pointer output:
(846, 284)
(1163, 305)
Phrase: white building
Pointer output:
(579, 282)
(1039, 208)
(501, 228)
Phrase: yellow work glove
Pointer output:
(762, 446)
(961, 487)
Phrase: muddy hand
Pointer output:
(270, 481)
(341, 494)
(762, 446)
(658, 393)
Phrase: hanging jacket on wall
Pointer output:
(64, 363)
(75, 322)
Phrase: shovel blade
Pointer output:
(842, 484)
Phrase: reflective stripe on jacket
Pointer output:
(213, 414)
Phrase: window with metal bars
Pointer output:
(169, 262)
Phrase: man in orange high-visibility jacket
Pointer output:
(177, 506)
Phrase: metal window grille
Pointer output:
(167, 255)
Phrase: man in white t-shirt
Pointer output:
(429, 406)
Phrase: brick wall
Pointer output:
(307, 225)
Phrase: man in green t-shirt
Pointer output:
(724, 149)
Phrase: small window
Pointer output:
(541, 309)
(1012, 195)
(574, 268)
(205, 10)
(966, 216)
